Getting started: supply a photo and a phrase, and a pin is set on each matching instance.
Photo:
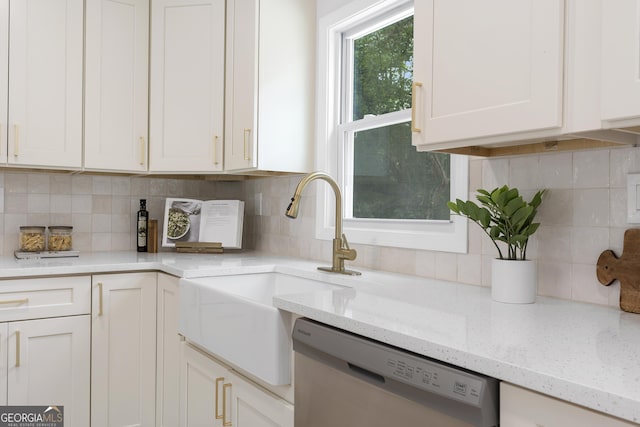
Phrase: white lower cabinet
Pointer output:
(168, 353)
(44, 361)
(214, 395)
(123, 350)
(520, 407)
(48, 364)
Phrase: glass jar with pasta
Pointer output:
(32, 238)
(60, 238)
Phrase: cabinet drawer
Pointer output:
(45, 297)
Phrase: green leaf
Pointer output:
(537, 199)
(473, 211)
(483, 192)
(485, 200)
(513, 206)
(532, 228)
(520, 216)
(453, 207)
(485, 218)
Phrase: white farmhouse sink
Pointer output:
(233, 318)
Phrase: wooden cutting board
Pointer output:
(626, 269)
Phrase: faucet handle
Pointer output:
(345, 241)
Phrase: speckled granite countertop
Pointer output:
(582, 353)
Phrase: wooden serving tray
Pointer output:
(626, 269)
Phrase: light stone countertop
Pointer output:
(583, 353)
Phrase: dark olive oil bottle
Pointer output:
(143, 224)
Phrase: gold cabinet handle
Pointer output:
(100, 299)
(215, 150)
(17, 349)
(247, 133)
(15, 301)
(414, 90)
(219, 380)
(225, 423)
(16, 140)
(142, 151)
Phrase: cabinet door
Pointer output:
(168, 353)
(202, 384)
(187, 85)
(123, 350)
(4, 77)
(620, 59)
(48, 363)
(524, 408)
(486, 68)
(242, 85)
(45, 90)
(4, 342)
(254, 407)
(116, 85)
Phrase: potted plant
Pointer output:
(508, 220)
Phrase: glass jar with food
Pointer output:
(60, 238)
(32, 238)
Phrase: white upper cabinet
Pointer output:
(621, 62)
(45, 87)
(116, 85)
(516, 72)
(270, 85)
(187, 86)
(4, 77)
(487, 68)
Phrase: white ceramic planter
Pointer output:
(514, 281)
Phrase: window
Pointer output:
(393, 195)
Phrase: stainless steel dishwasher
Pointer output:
(345, 380)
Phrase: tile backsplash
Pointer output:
(583, 214)
(100, 208)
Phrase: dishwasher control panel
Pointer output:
(430, 376)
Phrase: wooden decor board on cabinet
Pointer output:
(187, 86)
(270, 107)
(520, 75)
(116, 85)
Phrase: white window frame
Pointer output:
(447, 236)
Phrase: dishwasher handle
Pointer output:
(371, 376)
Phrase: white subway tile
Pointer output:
(554, 279)
(446, 266)
(60, 203)
(556, 170)
(495, 173)
(524, 172)
(81, 184)
(470, 269)
(81, 203)
(591, 208)
(588, 244)
(38, 203)
(101, 185)
(585, 287)
(591, 169)
(15, 183)
(38, 183)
